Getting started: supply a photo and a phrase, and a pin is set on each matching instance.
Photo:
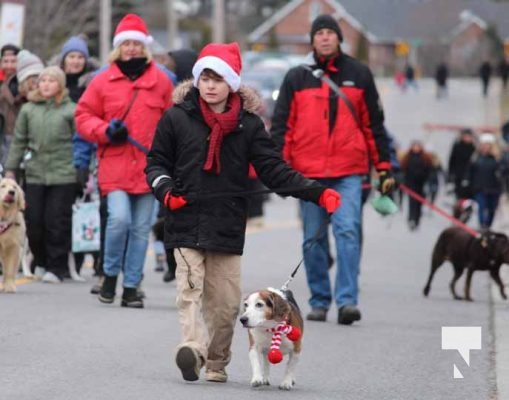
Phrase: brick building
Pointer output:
(460, 32)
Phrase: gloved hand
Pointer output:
(82, 176)
(117, 131)
(174, 202)
(330, 200)
(386, 181)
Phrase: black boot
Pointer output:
(107, 293)
(131, 298)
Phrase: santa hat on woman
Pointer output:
(132, 27)
(223, 59)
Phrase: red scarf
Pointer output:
(221, 125)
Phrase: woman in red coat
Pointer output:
(119, 112)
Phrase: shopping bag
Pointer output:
(86, 227)
(384, 205)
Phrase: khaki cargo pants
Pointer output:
(208, 311)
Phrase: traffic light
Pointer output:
(402, 48)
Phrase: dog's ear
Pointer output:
(21, 198)
(280, 307)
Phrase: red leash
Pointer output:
(438, 210)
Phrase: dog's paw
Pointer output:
(287, 384)
(259, 381)
(10, 288)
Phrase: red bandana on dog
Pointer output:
(221, 125)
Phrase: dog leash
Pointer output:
(438, 210)
(314, 239)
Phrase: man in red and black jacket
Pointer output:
(334, 141)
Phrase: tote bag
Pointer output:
(86, 227)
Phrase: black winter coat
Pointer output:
(179, 151)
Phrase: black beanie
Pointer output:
(325, 21)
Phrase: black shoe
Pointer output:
(107, 293)
(317, 314)
(131, 298)
(96, 289)
(169, 276)
(348, 314)
(188, 360)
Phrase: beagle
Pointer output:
(267, 314)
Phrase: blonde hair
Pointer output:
(115, 54)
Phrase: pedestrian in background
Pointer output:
(8, 60)
(485, 179)
(441, 76)
(410, 80)
(204, 144)
(13, 94)
(503, 70)
(43, 139)
(74, 61)
(459, 160)
(119, 111)
(485, 74)
(321, 137)
(417, 166)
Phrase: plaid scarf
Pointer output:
(221, 125)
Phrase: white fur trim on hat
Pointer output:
(132, 35)
(220, 67)
(487, 138)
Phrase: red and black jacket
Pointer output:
(315, 129)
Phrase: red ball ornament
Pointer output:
(275, 356)
(294, 334)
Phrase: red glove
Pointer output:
(330, 200)
(174, 202)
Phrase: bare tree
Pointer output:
(50, 22)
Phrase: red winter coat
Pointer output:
(108, 96)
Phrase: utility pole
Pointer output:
(171, 24)
(218, 35)
(105, 30)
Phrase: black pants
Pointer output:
(49, 225)
(414, 206)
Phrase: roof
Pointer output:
(391, 20)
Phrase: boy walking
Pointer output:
(199, 159)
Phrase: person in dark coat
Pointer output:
(485, 74)
(181, 62)
(441, 75)
(484, 175)
(503, 70)
(459, 160)
(199, 159)
(416, 165)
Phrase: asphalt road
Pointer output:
(58, 342)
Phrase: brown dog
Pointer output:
(484, 253)
(12, 231)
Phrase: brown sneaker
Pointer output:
(216, 376)
(188, 360)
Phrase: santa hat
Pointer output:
(223, 59)
(132, 27)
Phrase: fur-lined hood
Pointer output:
(251, 99)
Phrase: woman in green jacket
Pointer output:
(43, 140)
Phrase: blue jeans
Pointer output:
(127, 231)
(346, 224)
(487, 205)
